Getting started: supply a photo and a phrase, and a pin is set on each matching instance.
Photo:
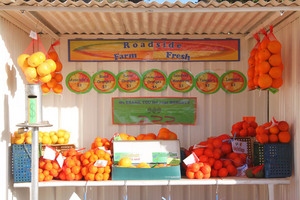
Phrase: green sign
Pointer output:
(154, 110)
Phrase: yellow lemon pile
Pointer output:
(59, 137)
(36, 67)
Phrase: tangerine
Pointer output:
(199, 175)
(105, 176)
(52, 83)
(263, 67)
(275, 60)
(283, 126)
(140, 137)
(226, 148)
(58, 66)
(218, 164)
(274, 47)
(273, 138)
(58, 88)
(284, 137)
(206, 169)
(262, 138)
(149, 136)
(190, 174)
(58, 77)
(232, 170)
(53, 55)
(264, 54)
(41, 177)
(277, 83)
(275, 72)
(99, 177)
(194, 167)
(274, 130)
(45, 88)
(223, 172)
(264, 81)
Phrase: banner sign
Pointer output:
(154, 110)
(154, 50)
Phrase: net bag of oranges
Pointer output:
(55, 83)
(268, 64)
(35, 62)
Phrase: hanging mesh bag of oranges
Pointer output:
(55, 83)
(252, 63)
(35, 62)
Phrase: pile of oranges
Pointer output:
(163, 134)
(48, 169)
(217, 153)
(273, 132)
(265, 65)
(244, 129)
(55, 83)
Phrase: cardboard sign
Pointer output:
(239, 146)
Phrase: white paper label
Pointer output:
(239, 146)
(49, 153)
(191, 159)
(101, 163)
(107, 151)
(60, 160)
(33, 35)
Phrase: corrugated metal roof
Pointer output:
(116, 18)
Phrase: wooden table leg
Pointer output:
(271, 191)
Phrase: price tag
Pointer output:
(49, 153)
(191, 159)
(33, 35)
(101, 163)
(60, 160)
(239, 146)
(107, 151)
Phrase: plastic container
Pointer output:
(277, 159)
(21, 162)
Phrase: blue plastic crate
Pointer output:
(21, 162)
(277, 159)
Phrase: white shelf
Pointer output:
(184, 181)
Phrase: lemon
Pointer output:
(52, 133)
(20, 140)
(46, 139)
(52, 64)
(28, 134)
(28, 140)
(46, 134)
(60, 133)
(45, 79)
(36, 59)
(125, 162)
(54, 139)
(143, 165)
(30, 72)
(66, 141)
(43, 69)
(67, 135)
(22, 60)
(61, 140)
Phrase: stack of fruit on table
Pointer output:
(60, 136)
(216, 153)
(92, 165)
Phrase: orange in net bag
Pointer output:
(34, 62)
(56, 77)
(252, 63)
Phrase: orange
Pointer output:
(283, 126)
(140, 136)
(273, 138)
(275, 72)
(53, 172)
(284, 137)
(274, 130)
(70, 177)
(232, 155)
(198, 151)
(253, 52)
(41, 177)
(263, 54)
(218, 164)
(62, 176)
(277, 83)
(263, 67)
(51, 83)
(58, 77)
(264, 43)
(100, 170)
(58, 66)
(172, 136)
(48, 166)
(46, 172)
(84, 171)
(206, 176)
(36, 59)
(58, 88)
(250, 72)
(99, 177)
(226, 163)
(43, 69)
(275, 60)
(78, 177)
(125, 162)
(214, 172)
(98, 144)
(226, 148)
(93, 169)
(75, 169)
(260, 130)
(42, 163)
(53, 55)
(274, 47)
(55, 165)
(223, 172)
(107, 156)
(131, 138)
(93, 158)
(251, 62)
(262, 138)
(208, 153)
(163, 135)
(238, 162)
(86, 154)
(217, 155)
(206, 169)
(107, 169)
(232, 171)
(100, 153)
(199, 175)
(45, 88)
(194, 167)
(190, 174)
(149, 136)
(217, 143)
(52, 64)
(48, 178)
(211, 161)
(123, 136)
(264, 81)
(203, 158)
(105, 176)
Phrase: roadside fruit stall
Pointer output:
(123, 100)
